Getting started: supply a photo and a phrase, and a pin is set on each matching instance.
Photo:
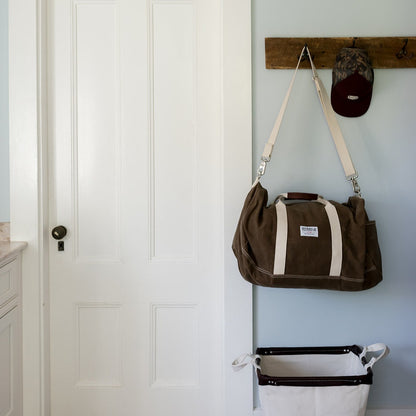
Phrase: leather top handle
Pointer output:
(302, 196)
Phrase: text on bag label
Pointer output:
(307, 231)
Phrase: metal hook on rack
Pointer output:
(305, 55)
(403, 53)
(305, 52)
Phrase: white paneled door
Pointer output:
(135, 178)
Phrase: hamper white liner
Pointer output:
(314, 401)
(316, 381)
(303, 365)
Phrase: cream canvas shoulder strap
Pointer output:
(344, 156)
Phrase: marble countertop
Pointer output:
(9, 249)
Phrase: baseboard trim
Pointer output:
(370, 412)
(391, 412)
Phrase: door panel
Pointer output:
(96, 131)
(135, 145)
(173, 134)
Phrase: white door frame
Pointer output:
(29, 192)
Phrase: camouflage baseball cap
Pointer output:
(352, 82)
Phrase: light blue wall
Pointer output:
(4, 113)
(383, 147)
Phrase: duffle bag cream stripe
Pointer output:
(282, 232)
(336, 239)
(281, 239)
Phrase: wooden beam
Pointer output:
(384, 52)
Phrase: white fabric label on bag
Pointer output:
(308, 231)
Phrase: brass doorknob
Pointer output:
(59, 232)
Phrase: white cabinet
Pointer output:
(10, 364)
(10, 337)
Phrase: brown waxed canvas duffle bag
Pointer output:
(303, 240)
(317, 244)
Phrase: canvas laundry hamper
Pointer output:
(314, 381)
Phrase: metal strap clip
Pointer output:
(262, 167)
(356, 188)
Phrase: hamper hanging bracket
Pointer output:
(244, 359)
(379, 347)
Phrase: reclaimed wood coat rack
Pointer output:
(384, 52)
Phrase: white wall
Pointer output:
(4, 113)
(383, 147)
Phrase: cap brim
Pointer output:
(354, 85)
